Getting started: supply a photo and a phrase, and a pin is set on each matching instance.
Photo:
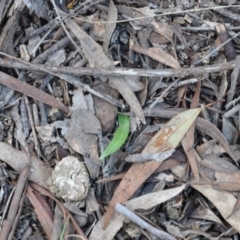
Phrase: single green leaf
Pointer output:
(119, 137)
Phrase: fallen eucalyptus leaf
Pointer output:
(166, 139)
(158, 54)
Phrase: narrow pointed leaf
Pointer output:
(167, 138)
(120, 136)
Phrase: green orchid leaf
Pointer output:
(119, 137)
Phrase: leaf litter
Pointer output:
(172, 172)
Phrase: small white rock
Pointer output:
(69, 180)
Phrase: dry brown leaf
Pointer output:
(181, 92)
(150, 200)
(201, 124)
(158, 54)
(82, 132)
(233, 177)
(142, 95)
(43, 216)
(108, 234)
(105, 112)
(188, 141)
(145, 157)
(109, 27)
(78, 100)
(156, 39)
(135, 84)
(218, 164)
(236, 206)
(93, 51)
(226, 186)
(43, 191)
(163, 29)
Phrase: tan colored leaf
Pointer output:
(108, 234)
(105, 112)
(181, 92)
(173, 132)
(158, 54)
(228, 181)
(110, 25)
(150, 200)
(218, 164)
(226, 186)
(163, 29)
(201, 124)
(167, 138)
(41, 211)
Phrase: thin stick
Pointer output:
(136, 219)
(162, 14)
(182, 72)
(216, 49)
(7, 224)
(64, 28)
(29, 110)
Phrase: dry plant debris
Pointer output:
(68, 69)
